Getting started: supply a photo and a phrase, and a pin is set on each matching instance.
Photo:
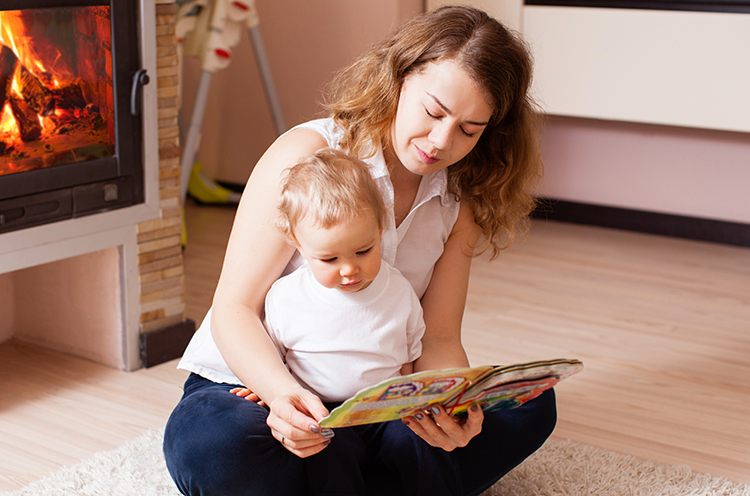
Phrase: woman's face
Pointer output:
(441, 114)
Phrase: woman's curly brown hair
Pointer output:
(497, 176)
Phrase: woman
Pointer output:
(441, 112)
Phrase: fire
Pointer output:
(14, 37)
(56, 90)
(8, 126)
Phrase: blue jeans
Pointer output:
(216, 443)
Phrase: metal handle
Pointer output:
(140, 79)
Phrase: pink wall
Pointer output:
(73, 306)
(7, 307)
(656, 168)
(306, 42)
(672, 170)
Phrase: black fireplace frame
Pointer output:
(62, 192)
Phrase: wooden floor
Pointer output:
(662, 326)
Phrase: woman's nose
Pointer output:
(441, 135)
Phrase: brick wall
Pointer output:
(161, 270)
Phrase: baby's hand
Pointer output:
(248, 395)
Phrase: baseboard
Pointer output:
(678, 226)
(236, 187)
(167, 343)
(695, 228)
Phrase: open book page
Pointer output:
(400, 396)
(456, 389)
(513, 385)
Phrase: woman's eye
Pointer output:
(468, 135)
(431, 114)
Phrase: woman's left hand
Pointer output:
(440, 430)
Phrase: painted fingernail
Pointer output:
(474, 408)
(314, 429)
(418, 416)
(328, 433)
(406, 422)
(326, 443)
(435, 410)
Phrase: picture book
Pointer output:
(492, 388)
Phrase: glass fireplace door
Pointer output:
(71, 140)
(56, 87)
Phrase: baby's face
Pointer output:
(345, 256)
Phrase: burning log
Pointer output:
(8, 64)
(26, 118)
(69, 96)
(37, 96)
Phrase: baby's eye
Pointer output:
(328, 260)
(364, 252)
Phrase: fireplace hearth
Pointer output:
(70, 125)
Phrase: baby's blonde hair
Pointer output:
(331, 187)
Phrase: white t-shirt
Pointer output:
(412, 248)
(336, 343)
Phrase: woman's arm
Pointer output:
(407, 368)
(443, 305)
(256, 256)
(443, 302)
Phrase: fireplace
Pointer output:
(70, 101)
(102, 278)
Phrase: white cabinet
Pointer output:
(689, 69)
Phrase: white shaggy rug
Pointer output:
(559, 468)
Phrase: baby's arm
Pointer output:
(248, 395)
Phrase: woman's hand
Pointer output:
(440, 430)
(294, 423)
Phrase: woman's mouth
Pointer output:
(426, 158)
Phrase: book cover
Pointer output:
(492, 388)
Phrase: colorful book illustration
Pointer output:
(492, 388)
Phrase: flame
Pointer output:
(15, 88)
(8, 126)
(12, 35)
(67, 94)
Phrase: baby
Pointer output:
(346, 319)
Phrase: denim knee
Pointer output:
(218, 443)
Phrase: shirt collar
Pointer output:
(436, 185)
